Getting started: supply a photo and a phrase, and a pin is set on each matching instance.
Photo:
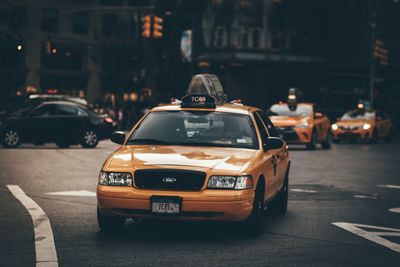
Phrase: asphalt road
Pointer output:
(351, 184)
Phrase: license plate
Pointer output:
(165, 205)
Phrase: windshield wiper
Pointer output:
(147, 141)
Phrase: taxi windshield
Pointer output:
(283, 110)
(359, 114)
(196, 128)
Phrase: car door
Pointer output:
(270, 166)
(70, 120)
(40, 124)
(282, 154)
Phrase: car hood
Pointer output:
(288, 121)
(217, 158)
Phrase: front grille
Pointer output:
(168, 179)
(287, 133)
(349, 135)
(341, 127)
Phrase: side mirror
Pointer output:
(273, 143)
(318, 115)
(118, 137)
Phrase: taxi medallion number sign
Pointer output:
(200, 99)
(165, 205)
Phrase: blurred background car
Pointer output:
(361, 124)
(16, 102)
(62, 122)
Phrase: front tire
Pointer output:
(11, 138)
(374, 137)
(90, 138)
(328, 141)
(109, 223)
(280, 203)
(255, 223)
(314, 140)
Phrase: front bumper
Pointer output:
(206, 205)
(294, 135)
(359, 134)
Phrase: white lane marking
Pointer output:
(374, 236)
(78, 193)
(391, 186)
(46, 254)
(364, 196)
(302, 190)
(396, 210)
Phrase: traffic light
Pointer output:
(157, 27)
(380, 53)
(146, 28)
(152, 26)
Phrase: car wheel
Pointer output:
(255, 223)
(374, 137)
(89, 139)
(280, 203)
(11, 138)
(109, 223)
(313, 143)
(389, 137)
(328, 142)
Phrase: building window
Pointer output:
(80, 23)
(49, 20)
(109, 24)
(17, 20)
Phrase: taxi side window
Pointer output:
(261, 128)
(268, 123)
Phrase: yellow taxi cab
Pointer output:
(200, 159)
(300, 123)
(363, 123)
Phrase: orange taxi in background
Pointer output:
(363, 124)
(200, 159)
(299, 123)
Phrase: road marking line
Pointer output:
(397, 210)
(363, 196)
(391, 186)
(371, 235)
(79, 193)
(302, 190)
(46, 254)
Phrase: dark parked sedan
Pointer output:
(62, 122)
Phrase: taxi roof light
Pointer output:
(204, 91)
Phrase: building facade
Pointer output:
(71, 45)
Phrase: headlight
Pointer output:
(115, 178)
(230, 182)
(334, 127)
(303, 125)
(366, 126)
